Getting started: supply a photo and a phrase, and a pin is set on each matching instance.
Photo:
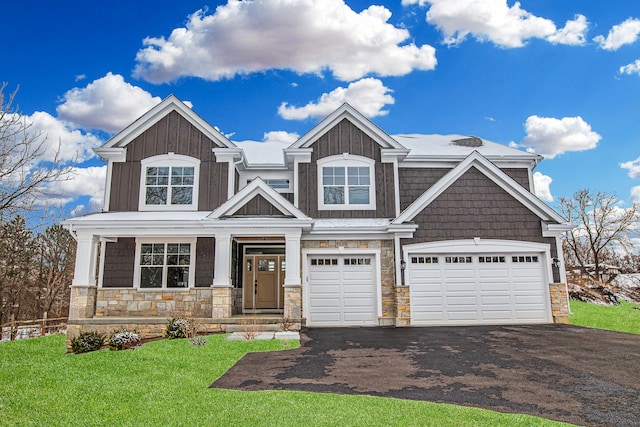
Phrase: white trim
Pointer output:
(169, 160)
(107, 187)
(355, 117)
(345, 161)
(192, 262)
(151, 117)
(338, 252)
(257, 187)
(492, 172)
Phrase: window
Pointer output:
(346, 182)
(165, 265)
(169, 182)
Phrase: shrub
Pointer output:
(87, 341)
(123, 339)
(177, 327)
(198, 341)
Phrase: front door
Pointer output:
(262, 282)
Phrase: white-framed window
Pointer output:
(169, 182)
(346, 182)
(165, 263)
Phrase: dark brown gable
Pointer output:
(475, 206)
(172, 133)
(258, 206)
(345, 137)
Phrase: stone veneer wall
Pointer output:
(193, 302)
(559, 302)
(386, 269)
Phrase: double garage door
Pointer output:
(341, 290)
(488, 288)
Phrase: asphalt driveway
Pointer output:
(578, 375)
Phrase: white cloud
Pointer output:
(633, 68)
(550, 136)
(89, 181)
(58, 137)
(573, 33)
(269, 150)
(633, 166)
(306, 36)
(108, 104)
(620, 35)
(369, 96)
(635, 194)
(495, 21)
(541, 185)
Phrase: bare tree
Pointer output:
(602, 228)
(25, 166)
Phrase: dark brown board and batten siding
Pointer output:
(258, 206)
(120, 259)
(172, 133)
(345, 137)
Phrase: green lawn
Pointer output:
(164, 383)
(622, 318)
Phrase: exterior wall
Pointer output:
(119, 263)
(386, 268)
(134, 303)
(415, 181)
(205, 257)
(173, 133)
(346, 138)
(474, 206)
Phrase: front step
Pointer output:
(255, 327)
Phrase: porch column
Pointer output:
(292, 282)
(83, 286)
(222, 304)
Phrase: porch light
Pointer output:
(403, 264)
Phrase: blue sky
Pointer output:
(559, 77)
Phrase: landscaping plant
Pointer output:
(87, 341)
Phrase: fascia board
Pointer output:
(350, 113)
(114, 154)
(257, 186)
(151, 117)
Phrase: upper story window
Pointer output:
(169, 182)
(346, 182)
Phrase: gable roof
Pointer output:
(492, 172)
(151, 117)
(254, 188)
(346, 111)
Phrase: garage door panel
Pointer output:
(342, 292)
(485, 288)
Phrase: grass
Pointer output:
(165, 383)
(622, 318)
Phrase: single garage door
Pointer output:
(342, 290)
(464, 289)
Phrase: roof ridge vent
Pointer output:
(472, 141)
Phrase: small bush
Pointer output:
(177, 327)
(123, 339)
(87, 341)
(198, 341)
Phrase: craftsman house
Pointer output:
(350, 226)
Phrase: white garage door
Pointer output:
(464, 289)
(342, 290)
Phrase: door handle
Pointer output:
(255, 287)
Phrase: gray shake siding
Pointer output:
(474, 206)
(346, 138)
(173, 133)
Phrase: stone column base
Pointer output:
(222, 304)
(293, 305)
(403, 306)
